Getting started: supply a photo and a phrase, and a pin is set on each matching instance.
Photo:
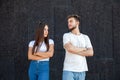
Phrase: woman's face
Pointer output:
(46, 31)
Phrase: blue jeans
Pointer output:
(69, 75)
(39, 70)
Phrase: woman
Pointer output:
(39, 52)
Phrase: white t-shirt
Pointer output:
(74, 62)
(43, 47)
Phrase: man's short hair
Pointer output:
(75, 16)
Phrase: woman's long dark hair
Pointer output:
(39, 38)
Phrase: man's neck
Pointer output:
(76, 31)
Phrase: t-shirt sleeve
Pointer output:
(66, 39)
(31, 43)
(51, 41)
(88, 42)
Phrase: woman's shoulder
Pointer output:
(51, 41)
(31, 43)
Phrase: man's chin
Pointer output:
(72, 28)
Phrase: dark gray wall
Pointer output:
(100, 20)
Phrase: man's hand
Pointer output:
(68, 46)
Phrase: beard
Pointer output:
(72, 28)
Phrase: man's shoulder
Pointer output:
(66, 34)
(84, 35)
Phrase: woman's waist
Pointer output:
(42, 60)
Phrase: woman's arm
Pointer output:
(32, 56)
(47, 54)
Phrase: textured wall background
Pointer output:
(100, 20)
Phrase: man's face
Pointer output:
(72, 23)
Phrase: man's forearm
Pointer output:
(72, 49)
(75, 50)
(88, 52)
(80, 51)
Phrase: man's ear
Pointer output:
(78, 22)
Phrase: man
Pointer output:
(77, 47)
